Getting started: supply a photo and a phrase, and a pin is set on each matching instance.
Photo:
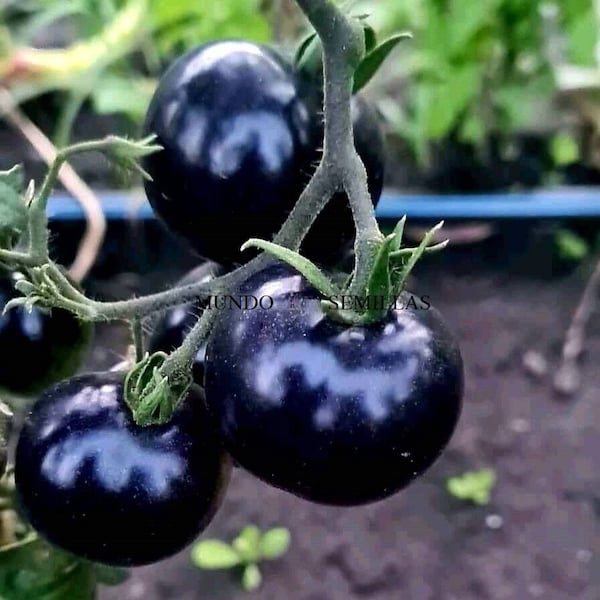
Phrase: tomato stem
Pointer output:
(137, 336)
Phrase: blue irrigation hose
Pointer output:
(544, 204)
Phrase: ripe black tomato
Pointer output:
(176, 322)
(37, 348)
(237, 143)
(92, 482)
(336, 415)
(334, 229)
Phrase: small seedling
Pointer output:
(571, 246)
(246, 551)
(473, 486)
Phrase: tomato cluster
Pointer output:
(334, 414)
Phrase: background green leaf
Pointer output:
(570, 245)
(371, 63)
(475, 486)
(275, 543)
(251, 578)
(214, 554)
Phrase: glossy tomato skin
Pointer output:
(176, 322)
(335, 415)
(237, 141)
(334, 231)
(37, 348)
(97, 485)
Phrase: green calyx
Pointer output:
(151, 396)
(390, 271)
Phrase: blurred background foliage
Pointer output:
(478, 75)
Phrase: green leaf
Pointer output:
(468, 20)
(570, 245)
(43, 19)
(564, 149)
(582, 35)
(247, 544)
(33, 570)
(475, 486)
(19, 554)
(128, 96)
(110, 575)
(179, 25)
(370, 38)
(13, 210)
(76, 584)
(310, 59)
(448, 100)
(309, 270)
(472, 129)
(14, 178)
(251, 578)
(214, 554)
(303, 48)
(275, 543)
(371, 63)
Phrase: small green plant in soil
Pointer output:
(473, 486)
(244, 553)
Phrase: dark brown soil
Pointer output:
(538, 538)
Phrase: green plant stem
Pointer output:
(137, 335)
(38, 222)
(73, 104)
(179, 362)
(343, 47)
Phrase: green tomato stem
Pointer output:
(137, 336)
(179, 362)
(343, 44)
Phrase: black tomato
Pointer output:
(335, 415)
(37, 348)
(334, 229)
(95, 484)
(176, 322)
(237, 143)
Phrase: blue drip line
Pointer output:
(555, 203)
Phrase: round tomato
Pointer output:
(38, 347)
(95, 484)
(334, 414)
(237, 141)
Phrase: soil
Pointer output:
(540, 535)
